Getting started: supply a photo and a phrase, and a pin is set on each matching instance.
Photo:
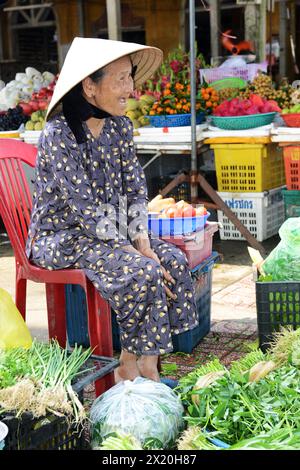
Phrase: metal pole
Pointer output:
(262, 30)
(194, 183)
(81, 17)
(113, 8)
(270, 37)
(282, 37)
(214, 18)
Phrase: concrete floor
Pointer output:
(233, 291)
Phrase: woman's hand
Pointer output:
(147, 251)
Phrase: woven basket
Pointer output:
(174, 120)
(291, 120)
(243, 122)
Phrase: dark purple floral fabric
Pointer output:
(71, 182)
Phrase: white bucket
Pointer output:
(3, 434)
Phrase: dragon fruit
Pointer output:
(244, 107)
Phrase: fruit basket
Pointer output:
(174, 120)
(291, 120)
(159, 226)
(243, 122)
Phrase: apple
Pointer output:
(34, 105)
(43, 104)
(201, 211)
(189, 211)
(170, 212)
(27, 109)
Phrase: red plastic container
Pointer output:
(291, 120)
(291, 156)
(198, 246)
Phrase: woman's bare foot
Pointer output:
(124, 373)
(128, 369)
(147, 366)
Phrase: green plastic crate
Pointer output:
(277, 305)
(291, 203)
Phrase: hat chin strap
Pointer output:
(77, 109)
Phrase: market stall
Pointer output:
(249, 199)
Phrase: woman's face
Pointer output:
(113, 89)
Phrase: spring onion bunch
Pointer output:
(239, 409)
(39, 380)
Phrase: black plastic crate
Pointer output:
(76, 315)
(181, 191)
(51, 432)
(277, 304)
(47, 433)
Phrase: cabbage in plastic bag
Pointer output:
(283, 263)
(148, 410)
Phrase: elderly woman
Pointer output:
(86, 161)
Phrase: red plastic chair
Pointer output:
(15, 207)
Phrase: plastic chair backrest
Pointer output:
(15, 197)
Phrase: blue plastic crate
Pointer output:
(202, 275)
(76, 318)
(77, 330)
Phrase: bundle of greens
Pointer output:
(239, 409)
(285, 346)
(282, 439)
(39, 379)
(259, 395)
(120, 441)
(187, 382)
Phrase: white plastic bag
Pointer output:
(234, 61)
(148, 410)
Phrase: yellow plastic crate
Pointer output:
(248, 167)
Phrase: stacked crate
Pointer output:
(291, 196)
(250, 180)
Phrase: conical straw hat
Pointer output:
(86, 55)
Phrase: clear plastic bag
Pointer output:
(13, 330)
(147, 410)
(283, 263)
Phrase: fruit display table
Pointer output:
(259, 135)
(166, 140)
(165, 148)
(285, 134)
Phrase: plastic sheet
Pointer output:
(147, 410)
(283, 263)
(13, 330)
